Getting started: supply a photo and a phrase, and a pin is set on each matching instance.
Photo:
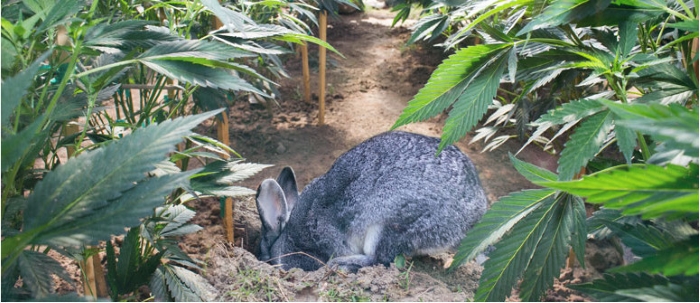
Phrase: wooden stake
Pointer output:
(222, 132)
(305, 71)
(323, 21)
(94, 283)
(228, 218)
(227, 211)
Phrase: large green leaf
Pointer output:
(474, 101)
(644, 240)
(532, 172)
(620, 12)
(179, 284)
(608, 288)
(126, 35)
(564, 11)
(552, 249)
(36, 270)
(584, 144)
(14, 88)
(571, 111)
(59, 13)
(679, 259)
(674, 125)
(514, 252)
(498, 220)
(83, 200)
(448, 82)
(647, 190)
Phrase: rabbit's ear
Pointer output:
(288, 182)
(272, 206)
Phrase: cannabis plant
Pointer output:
(632, 86)
(62, 61)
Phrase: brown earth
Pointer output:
(367, 91)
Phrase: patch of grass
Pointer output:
(405, 277)
(337, 293)
(252, 285)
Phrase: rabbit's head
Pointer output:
(275, 200)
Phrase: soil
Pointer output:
(366, 92)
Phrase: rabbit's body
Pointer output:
(389, 195)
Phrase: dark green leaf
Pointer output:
(605, 289)
(498, 220)
(14, 88)
(531, 171)
(571, 111)
(647, 190)
(552, 250)
(675, 125)
(644, 240)
(36, 269)
(616, 13)
(628, 38)
(474, 101)
(626, 141)
(87, 187)
(513, 253)
(580, 232)
(686, 25)
(584, 144)
(126, 35)
(60, 11)
(564, 11)
(448, 82)
(679, 259)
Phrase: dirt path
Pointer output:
(367, 92)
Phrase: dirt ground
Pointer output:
(366, 92)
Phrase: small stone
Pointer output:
(280, 148)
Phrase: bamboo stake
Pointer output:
(305, 71)
(323, 21)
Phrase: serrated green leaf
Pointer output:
(126, 35)
(571, 111)
(644, 240)
(627, 32)
(532, 172)
(584, 144)
(579, 235)
(552, 250)
(626, 141)
(647, 190)
(59, 13)
(685, 25)
(127, 210)
(679, 259)
(184, 285)
(513, 253)
(474, 101)
(448, 82)
(91, 184)
(620, 12)
(158, 285)
(657, 293)
(36, 269)
(606, 289)
(564, 11)
(675, 125)
(497, 221)
(14, 88)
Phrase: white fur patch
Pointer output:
(372, 236)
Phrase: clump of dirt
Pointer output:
(238, 276)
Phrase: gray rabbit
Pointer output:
(389, 195)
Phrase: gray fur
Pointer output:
(389, 195)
